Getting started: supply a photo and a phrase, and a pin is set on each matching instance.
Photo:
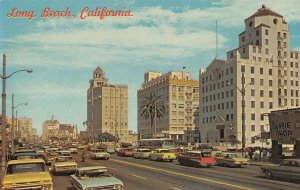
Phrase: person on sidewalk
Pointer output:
(257, 155)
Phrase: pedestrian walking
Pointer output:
(83, 156)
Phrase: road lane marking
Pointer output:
(185, 175)
(175, 188)
(138, 176)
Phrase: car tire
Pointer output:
(268, 174)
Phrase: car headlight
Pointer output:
(118, 186)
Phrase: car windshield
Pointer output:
(232, 156)
(64, 159)
(25, 168)
(95, 173)
(165, 151)
(145, 150)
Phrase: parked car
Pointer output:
(26, 174)
(95, 177)
(287, 169)
(125, 152)
(161, 154)
(197, 158)
(142, 153)
(99, 154)
(230, 159)
(63, 164)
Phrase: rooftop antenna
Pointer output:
(216, 38)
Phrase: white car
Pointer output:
(99, 154)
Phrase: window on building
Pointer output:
(270, 72)
(244, 50)
(266, 32)
(261, 81)
(252, 128)
(252, 81)
(253, 116)
(262, 117)
(254, 49)
(252, 104)
(261, 93)
(261, 70)
(257, 32)
(252, 140)
(243, 68)
(284, 35)
(243, 38)
(270, 105)
(292, 64)
(267, 42)
(252, 92)
(262, 128)
(252, 70)
(257, 43)
(262, 105)
(270, 94)
(270, 83)
(267, 51)
(259, 48)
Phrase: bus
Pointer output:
(157, 143)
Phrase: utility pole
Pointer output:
(12, 125)
(243, 115)
(3, 130)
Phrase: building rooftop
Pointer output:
(264, 11)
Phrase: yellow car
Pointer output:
(230, 160)
(161, 154)
(27, 174)
(63, 164)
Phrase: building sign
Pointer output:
(285, 125)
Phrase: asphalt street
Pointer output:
(139, 174)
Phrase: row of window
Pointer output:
(229, 117)
(217, 85)
(210, 78)
(216, 107)
(217, 96)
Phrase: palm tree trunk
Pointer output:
(152, 127)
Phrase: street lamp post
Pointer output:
(242, 91)
(12, 123)
(3, 131)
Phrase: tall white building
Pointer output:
(271, 72)
(180, 94)
(107, 107)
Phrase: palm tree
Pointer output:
(151, 108)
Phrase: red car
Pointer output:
(197, 159)
(125, 152)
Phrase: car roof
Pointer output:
(25, 161)
(91, 168)
(195, 151)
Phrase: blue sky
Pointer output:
(161, 35)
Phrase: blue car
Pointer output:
(94, 177)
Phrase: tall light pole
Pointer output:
(3, 131)
(242, 91)
(12, 123)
